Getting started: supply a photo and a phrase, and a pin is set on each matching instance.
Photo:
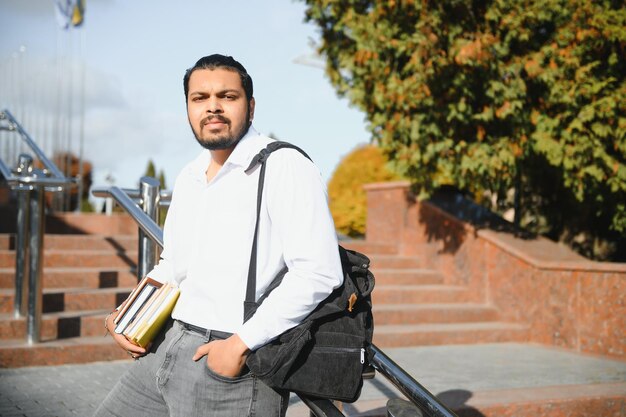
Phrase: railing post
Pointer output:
(149, 194)
(37, 230)
(20, 303)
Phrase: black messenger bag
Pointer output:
(325, 355)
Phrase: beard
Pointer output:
(225, 140)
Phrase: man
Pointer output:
(197, 366)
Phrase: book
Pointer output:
(142, 310)
(139, 318)
(146, 310)
(153, 323)
(129, 301)
(134, 307)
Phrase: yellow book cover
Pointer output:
(153, 325)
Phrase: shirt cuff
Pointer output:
(253, 336)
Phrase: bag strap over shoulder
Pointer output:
(263, 154)
(260, 159)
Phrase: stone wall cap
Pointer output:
(539, 252)
(387, 185)
(553, 256)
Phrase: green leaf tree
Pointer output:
(162, 179)
(150, 169)
(496, 98)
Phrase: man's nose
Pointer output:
(214, 105)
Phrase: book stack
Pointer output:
(147, 309)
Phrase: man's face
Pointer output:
(217, 108)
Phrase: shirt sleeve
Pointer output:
(164, 271)
(299, 215)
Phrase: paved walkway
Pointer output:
(454, 372)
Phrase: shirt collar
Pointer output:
(245, 149)
(241, 156)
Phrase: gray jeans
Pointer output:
(167, 382)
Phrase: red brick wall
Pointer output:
(568, 301)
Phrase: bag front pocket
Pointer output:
(329, 369)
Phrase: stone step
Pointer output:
(7, 258)
(17, 353)
(76, 277)
(421, 294)
(91, 242)
(395, 262)
(395, 335)
(78, 258)
(433, 313)
(72, 299)
(369, 248)
(60, 325)
(90, 258)
(91, 223)
(78, 242)
(7, 241)
(407, 276)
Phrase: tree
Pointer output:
(493, 96)
(151, 172)
(150, 169)
(348, 204)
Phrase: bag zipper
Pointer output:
(344, 350)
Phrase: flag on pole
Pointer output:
(70, 12)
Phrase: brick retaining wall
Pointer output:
(569, 301)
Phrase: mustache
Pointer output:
(212, 117)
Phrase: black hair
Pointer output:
(220, 61)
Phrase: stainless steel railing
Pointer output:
(30, 184)
(414, 391)
(142, 209)
(143, 206)
(50, 169)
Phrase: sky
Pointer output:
(133, 55)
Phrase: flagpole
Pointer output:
(69, 127)
(81, 139)
(57, 114)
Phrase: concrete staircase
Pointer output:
(413, 306)
(86, 276)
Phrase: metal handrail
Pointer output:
(145, 211)
(31, 185)
(50, 177)
(165, 196)
(413, 390)
(50, 167)
(145, 223)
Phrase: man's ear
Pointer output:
(251, 108)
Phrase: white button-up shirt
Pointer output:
(208, 239)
